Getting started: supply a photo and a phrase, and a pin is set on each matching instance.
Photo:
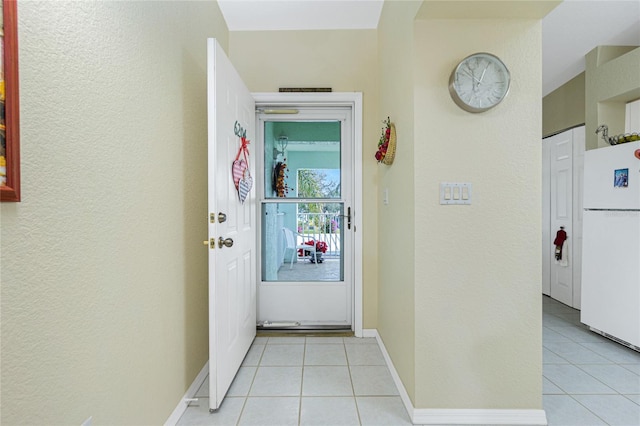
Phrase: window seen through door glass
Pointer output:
(302, 159)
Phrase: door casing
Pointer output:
(337, 99)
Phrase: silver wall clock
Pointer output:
(479, 82)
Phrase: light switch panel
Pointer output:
(455, 193)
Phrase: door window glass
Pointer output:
(302, 242)
(302, 159)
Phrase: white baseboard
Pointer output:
(429, 416)
(183, 404)
(369, 332)
(479, 417)
(408, 405)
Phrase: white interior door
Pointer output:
(232, 269)
(561, 169)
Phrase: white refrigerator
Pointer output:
(611, 242)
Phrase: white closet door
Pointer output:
(562, 215)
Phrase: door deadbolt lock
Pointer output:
(228, 242)
(221, 217)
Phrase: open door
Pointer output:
(232, 239)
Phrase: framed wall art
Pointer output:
(9, 104)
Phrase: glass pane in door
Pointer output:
(302, 241)
(302, 159)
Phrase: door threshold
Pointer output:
(296, 326)
(306, 332)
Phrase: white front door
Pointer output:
(561, 147)
(232, 266)
(306, 191)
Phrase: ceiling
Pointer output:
(569, 32)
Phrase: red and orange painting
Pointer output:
(9, 103)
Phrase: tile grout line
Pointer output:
(304, 355)
(353, 389)
(591, 375)
(246, 397)
(587, 408)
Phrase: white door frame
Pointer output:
(547, 248)
(353, 100)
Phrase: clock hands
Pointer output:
(470, 74)
(476, 84)
(483, 71)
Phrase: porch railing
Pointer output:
(325, 227)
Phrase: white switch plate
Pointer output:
(455, 193)
(385, 196)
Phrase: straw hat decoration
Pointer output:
(387, 143)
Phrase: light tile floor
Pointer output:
(588, 380)
(283, 381)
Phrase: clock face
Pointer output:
(479, 82)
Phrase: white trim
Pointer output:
(357, 215)
(370, 332)
(354, 100)
(307, 98)
(182, 406)
(429, 416)
(404, 395)
(479, 417)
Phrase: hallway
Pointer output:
(588, 380)
(307, 381)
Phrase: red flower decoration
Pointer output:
(383, 143)
(320, 246)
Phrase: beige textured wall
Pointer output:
(478, 281)
(104, 276)
(612, 79)
(346, 61)
(564, 108)
(396, 298)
